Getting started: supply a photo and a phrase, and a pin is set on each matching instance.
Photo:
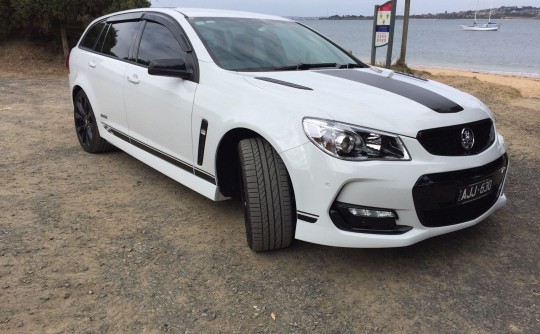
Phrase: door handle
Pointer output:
(134, 78)
(92, 63)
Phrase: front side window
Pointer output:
(119, 39)
(240, 44)
(158, 42)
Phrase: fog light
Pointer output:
(371, 213)
(365, 219)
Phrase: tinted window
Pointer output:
(158, 42)
(119, 38)
(92, 35)
(99, 44)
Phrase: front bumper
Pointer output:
(320, 181)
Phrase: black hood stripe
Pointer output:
(421, 95)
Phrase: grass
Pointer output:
(20, 57)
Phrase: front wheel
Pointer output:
(267, 196)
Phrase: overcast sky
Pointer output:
(340, 7)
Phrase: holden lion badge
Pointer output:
(467, 138)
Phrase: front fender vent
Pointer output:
(284, 83)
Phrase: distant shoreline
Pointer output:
(400, 17)
(501, 13)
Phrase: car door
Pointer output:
(106, 68)
(159, 107)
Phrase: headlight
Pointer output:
(351, 142)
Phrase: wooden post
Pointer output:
(65, 45)
(391, 39)
(373, 48)
(403, 54)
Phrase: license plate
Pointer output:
(474, 191)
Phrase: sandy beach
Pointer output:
(529, 86)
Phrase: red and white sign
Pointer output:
(384, 16)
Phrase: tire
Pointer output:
(86, 126)
(266, 195)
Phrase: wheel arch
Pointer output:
(76, 89)
(227, 160)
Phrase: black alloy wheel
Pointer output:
(86, 126)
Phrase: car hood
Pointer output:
(374, 98)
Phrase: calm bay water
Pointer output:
(515, 48)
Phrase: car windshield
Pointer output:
(240, 44)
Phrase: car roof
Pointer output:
(205, 12)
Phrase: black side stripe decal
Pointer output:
(178, 163)
(418, 94)
(307, 217)
(205, 176)
(161, 155)
(117, 133)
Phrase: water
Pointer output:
(515, 48)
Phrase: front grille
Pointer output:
(435, 195)
(446, 141)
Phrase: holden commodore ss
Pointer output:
(317, 145)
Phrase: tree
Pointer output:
(401, 60)
(5, 19)
(43, 18)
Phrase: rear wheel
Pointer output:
(86, 126)
(267, 196)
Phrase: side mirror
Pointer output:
(172, 67)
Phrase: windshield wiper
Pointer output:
(302, 66)
(352, 65)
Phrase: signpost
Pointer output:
(383, 30)
(382, 33)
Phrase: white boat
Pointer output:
(481, 27)
(489, 26)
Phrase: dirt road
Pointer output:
(104, 244)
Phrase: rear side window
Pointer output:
(92, 35)
(119, 39)
(158, 42)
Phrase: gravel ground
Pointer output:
(104, 244)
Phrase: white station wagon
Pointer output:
(318, 145)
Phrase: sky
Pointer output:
(308, 8)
